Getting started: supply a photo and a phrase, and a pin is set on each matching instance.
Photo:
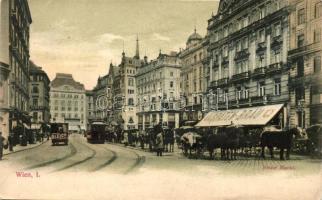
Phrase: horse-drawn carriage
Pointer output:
(233, 140)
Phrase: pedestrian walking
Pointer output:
(2, 145)
(159, 143)
(10, 141)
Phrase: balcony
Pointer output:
(274, 68)
(276, 42)
(225, 60)
(222, 82)
(244, 101)
(259, 72)
(261, 48)
(243, 54)
(259, 100)
(234, 103)
(38, 108)
(240, 77)
(213, 84)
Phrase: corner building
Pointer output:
(247, 56)
(68, 102)
(39, 98)
(158, 91)
(15, 21)
(193, 83)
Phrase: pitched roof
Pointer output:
(66, 79)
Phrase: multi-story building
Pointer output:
(158, 91)
(305, 60)
(124, 90)
(100, 94)
(248, 46)
(68, 102)
(90, 107)
(15, 20)
(39, 98)
(193, 82)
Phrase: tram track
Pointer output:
(108, 162)
(73, 152)
(91, 156)
(138, 163)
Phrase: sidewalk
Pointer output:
(19, 148)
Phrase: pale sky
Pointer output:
(82, 37)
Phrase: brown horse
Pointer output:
(280, 139)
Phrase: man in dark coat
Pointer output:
(159, 140)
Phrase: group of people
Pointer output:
(10, 142)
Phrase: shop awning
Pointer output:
(245, 116)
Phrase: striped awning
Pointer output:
(260, 115)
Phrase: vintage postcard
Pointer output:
(161, 99)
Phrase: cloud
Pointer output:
(157, 36)
(109, 38)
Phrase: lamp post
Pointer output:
(301, 104)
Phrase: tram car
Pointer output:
(97, 132)
(59, 133)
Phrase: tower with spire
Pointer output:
(137, 50)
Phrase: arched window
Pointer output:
(130, 102)
(35, 89)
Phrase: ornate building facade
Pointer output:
(158, 91)
(90, 106)
(248, 46)
(305, 60)
(15, 20)
(39, 98)
(68, 102)
(192, 79)
(124, 90)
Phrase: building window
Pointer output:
(225, 96)
(238, 93)
(35, 90)
(131, 82)
(35, 116)
(238, 45)
(261, 61)
(300, 40)
(130, 102)
(299, 94)
(262, 13)
(246, 93)
(35, 102)
(276, 57)
(225, 51)
(277, 87)
(171, 74)
(317, 35)
(171, 84)
(300, 67)
(195, 100)
(301, 16)
(317, 64)
(317, 13)
(261, 89)
(277, 29)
